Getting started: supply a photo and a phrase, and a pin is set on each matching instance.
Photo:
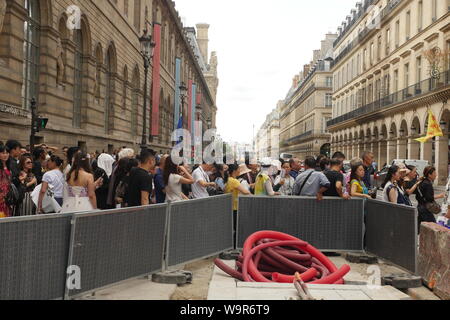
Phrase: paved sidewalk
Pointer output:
(138, 289)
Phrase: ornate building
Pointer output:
(83, 64)
(391, 64)
(307, 107)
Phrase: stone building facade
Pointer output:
(268, 136)
(83, 64)
(307, 107)
(391, 64)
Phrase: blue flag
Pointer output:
(180, 126)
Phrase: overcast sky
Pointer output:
(261, 45)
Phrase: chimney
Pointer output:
(353, 13)
(202, 40)
(306, 69)
(349, 19)
(339, 30)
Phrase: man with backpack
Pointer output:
(311, 183)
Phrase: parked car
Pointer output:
(380, 176)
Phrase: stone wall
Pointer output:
(434, 258)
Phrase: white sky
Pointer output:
(261, 45)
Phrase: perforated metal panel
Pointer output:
(33, 257)
(331, 224)
(113, 246)
(391, 233)
(199, 229)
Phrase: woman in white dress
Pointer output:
(79, 191)
(174, 177)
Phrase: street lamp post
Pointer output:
(183, 95)
(147, 49)
(33, 124)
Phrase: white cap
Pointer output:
(266, 162)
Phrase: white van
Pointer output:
(286, 156)
(419, 164)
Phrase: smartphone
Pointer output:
(283, 173)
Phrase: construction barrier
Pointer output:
(391, 233)
(330, 225)
(33, 257)
(112, 246)
(199, 229)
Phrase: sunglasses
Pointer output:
(28, 162)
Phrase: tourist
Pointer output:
(29, 182)
(53, 179)
(358, 188)
(244, 172)
(284, 183)
(124, 181)
(411, 182)
(119, 172)
(295, 167)
(174, 177)
(367, 158)
(79, 193)
(102, 170)
(140, 182)
(263, 184)
(311, 183)
(202, 181)
(426, 198)
(158, 180)
(39, 164)
(70, 156)
(392, 192)
(5, 183)
(234, 187)
(219, 177)
(336, 178)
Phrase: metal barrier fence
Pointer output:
(330, 225)
(112, 246)
(391, 233)
(33, 257)
(199, 229)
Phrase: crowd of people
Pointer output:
(42, 182)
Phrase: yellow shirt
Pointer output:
(260, 185)
(232, 187)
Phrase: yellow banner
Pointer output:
(434, 129)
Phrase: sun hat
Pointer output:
(243, 170)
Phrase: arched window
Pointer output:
(135, 103)
(30, 86)
(78, 78)
(124, 88)
(108, 91)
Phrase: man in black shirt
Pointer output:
(140, 180)
(336, 179)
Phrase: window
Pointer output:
(30, 86)
(379, 48)
(448, 53)
(328, 100)
(408, 25)
(434, 10)
(78, 79)
(372, 57)
(388, 41)
(108, 90)
(419, 69)
(397, 33)
(358, 65)
(137, 14)
(329, 82)
(364, 59)
(420, 16)
(395, 80)
(406, 84)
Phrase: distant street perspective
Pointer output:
(185, 150)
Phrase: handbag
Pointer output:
(49, 204)
(432, 207)
(13, 196)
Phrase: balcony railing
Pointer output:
(363, 34)
(304, 136)
(421, 88)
